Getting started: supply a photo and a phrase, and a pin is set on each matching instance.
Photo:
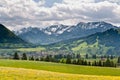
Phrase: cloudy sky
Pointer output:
(16, 14)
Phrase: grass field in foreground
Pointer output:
(63, 68)
(29, 74)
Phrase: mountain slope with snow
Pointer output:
(56, 33)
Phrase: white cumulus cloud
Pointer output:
(24, 13)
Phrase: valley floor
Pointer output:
(7, 73)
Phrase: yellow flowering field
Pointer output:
(7, 73)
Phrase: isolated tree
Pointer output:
(42, 59)
(80, 61)
(47, 58)
(89, 63)
(32, 58)
(94, 63)
(37, 59)
(24, 56)
(108, 63)
(86, 56)
(53, 59)
(85, 62)
(68, 60)
(78, 56)
(16, 56)
(94, 56)
(111, 57)
(100, 63)
(108, 56)
(112, 64)
(118, 60)
(74, 61)
(59, 56)
(62, 60)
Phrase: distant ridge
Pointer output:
(56, 33)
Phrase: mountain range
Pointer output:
(57, 33)
(91, 38)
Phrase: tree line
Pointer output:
(69, 59)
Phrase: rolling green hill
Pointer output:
(102, 43)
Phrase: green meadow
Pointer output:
(62, 68)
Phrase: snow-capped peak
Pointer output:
(56, 29)
(60, 29)
(25, 30)
(92, 25)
